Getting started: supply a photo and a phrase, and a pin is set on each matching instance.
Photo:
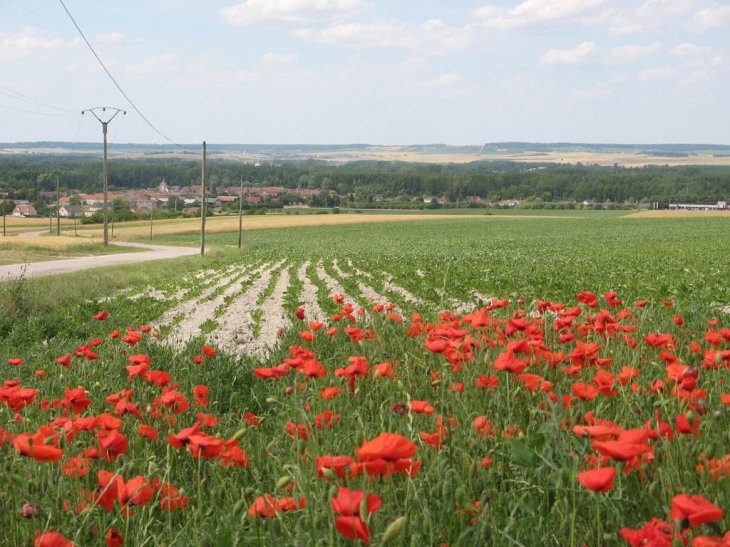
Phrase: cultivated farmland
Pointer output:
(461, 382)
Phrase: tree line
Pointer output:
(363, 183)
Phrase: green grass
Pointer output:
(529, 495)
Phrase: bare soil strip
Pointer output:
(274, 318)
(338, 271)
(235, 332)
(308, 296)
(332, 285)
(196, 311)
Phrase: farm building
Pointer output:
(24, 211)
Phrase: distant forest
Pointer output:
(23, 176)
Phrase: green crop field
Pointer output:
(476, 381)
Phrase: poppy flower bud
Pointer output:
(363, 506)
(301, 446)
(283, 481)
(331, 475)
(359, 437)
(334, 489)
(272, 400)
(394, 530)
(238, 435)
(238, 507)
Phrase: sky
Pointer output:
(384, 72)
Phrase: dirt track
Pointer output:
(37, 269)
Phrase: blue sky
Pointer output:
(370, 71)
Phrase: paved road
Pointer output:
(37, 269)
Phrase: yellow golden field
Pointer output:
(141, 229)
(402, 153)
(679, 214)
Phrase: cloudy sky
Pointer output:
(369, 71)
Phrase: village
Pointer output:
(186, 199)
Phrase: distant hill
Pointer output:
(669, 150)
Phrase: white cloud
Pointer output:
(432, 36)
(657, 74)
(223, 79)
(410, 65)
(293, 77)
(619, 79)
(568, 56)
(626, 54)
(532, 12)
(30, 43)
(596, 93)
(289, 11)
(272, 57)
(445, 80)
(710, 18)
(648, 17)
(696, 77)
(114, 37)
(717, 61)
(686, 49)
(162, 62)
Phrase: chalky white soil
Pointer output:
(243, 308)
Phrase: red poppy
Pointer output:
(65, 361)
(584, 391)
(114, 538)
(349, 502)
(113, 444)
(421, 407)
(326, 419)
(486, 381)
(205, 446)
(329, 392)
(386, 446)
(201, 395)
(16, 361)
(300, 313)
(34, 446)
(383, 369)
(198, 359)
(587, 298)
(101, 316)
(267, 506)
(655, 532)
(209, 352)
(695, 508)
(148, 432)
(342, 466)
(51, 539)
(353, 527)
(77, 466)
(598, 480)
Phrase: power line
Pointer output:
(113, 80)
(32, 112)
(26, 99)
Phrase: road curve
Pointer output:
(67, 265)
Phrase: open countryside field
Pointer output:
(462, 381)
(408, 154)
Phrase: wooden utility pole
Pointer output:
(240, 216)
(203, 207)
(58, 206)
(152, 210)
(104, 125)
